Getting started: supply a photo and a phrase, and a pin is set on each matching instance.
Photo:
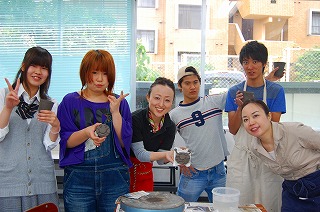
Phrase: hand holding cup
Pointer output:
(45, 104)
(280, 65)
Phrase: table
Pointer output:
(193, 206)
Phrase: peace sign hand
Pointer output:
(12, 98)
(115, 103)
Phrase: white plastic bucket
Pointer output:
(225, 199)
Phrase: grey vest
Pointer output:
(26, 168)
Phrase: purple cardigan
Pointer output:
(76, 113)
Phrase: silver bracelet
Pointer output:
(55, 133)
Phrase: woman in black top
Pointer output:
(153, 134)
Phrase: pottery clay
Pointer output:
(182, 157)
(102, 130)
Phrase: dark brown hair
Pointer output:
(162, 81)
(255, 51)
(97, 60)
(35, 56)
(259, 103)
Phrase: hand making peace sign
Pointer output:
(115, 102)
(12, 98)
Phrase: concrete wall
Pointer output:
(303, 103)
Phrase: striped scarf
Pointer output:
(155, 128)
(26, 111)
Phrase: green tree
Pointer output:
(307, 67)
(144, 73)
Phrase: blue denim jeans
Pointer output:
(95, 184)
(191, 187)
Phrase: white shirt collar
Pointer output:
(26, 96)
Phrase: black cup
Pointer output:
(247, 95)
(279, 72)
(45, 104)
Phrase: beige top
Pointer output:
(297, 150)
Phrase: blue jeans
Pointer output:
(190, 188)
(95, 184)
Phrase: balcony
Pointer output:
(236, 42)
(253, 9)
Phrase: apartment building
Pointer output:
(171, 30)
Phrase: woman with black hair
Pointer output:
(289, 149)
(27, 135)
(153, 134)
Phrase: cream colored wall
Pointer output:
(268, 25)
(298, 24)
(189, 40)
(303, 107)
(253, 9)
(273, 29)
(267, 29)
(259, 30)
(186, 40)
(151, 19)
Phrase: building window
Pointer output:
(188, 58)
(189, 16)
(148, 39)
(146, 3)
(314, 21)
